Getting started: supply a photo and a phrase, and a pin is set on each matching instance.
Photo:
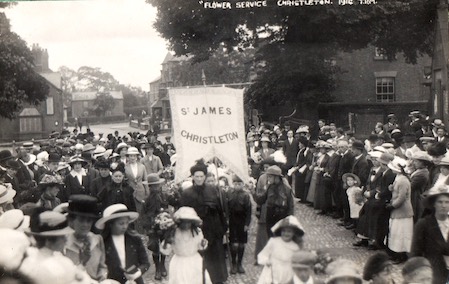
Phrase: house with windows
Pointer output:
(371, 87)
(37, 121)
(83, 104)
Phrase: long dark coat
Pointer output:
(419, 180)
(429, 243)
(135, 255)
(208, 205)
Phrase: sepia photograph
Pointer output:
(224, 142)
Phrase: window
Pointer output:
(30, 124)
(85, 104)
(50, 106)
(385, 89)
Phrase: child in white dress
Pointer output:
(186, 266)
(355, 196)
(276, 256)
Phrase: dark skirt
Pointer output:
(323, 195)
(300, 186)
(215, 261)
(261, 238)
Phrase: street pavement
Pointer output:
(321, 233)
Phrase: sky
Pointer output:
(115, 35)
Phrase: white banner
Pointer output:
(208, 122)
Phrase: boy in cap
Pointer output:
(239, 205)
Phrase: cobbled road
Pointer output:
(321, 233)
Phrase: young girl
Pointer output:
(186, 266)
(355, 196)
(126, 257)
(277, 254)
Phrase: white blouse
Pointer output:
(119, 243)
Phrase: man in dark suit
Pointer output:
(330, 177)
(360, 166)
(290, 148)
(382, 198)
(345, 166)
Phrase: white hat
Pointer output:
(133, 151)
(79, 146)
(421, 155)
(303, 129)
(116, 211)
(14, 219)
(6, 194)
(289, 221)
(99, 151)
(397, 164)
(13, 248)
(375, 154)
(379, 149)
(42, 156)
(343, 268)
(50, 224)
(187, 213)
(31, 159)
(387, 145)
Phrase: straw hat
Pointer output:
(6, 194)
(290, 222)
(355, 177)
(49, 224)
(132, 151)
(88, 147)
(50, 180)
(433, 193)
(31, 159)
(265, 139)
(62, 165)
(116, 211)
(421, 155)
(343, 268)
(77, 159)
(398, 164)
(14, 219)
(13, 248)
(120, 146)
(375, 154)
(187, 213)
(385, 158)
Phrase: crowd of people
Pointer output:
(93, 206)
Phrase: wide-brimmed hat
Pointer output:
(437, 149)
(427, 139)
(398, 164)
(31, 159)
(50, 180)
(187, 213)
(343, 268)
(415, 263)
(375, 154)
(274, 170)
(265, 139)
(304, 259)
(116, 211)
(385, 158)
(355, 177)
(83, 205)
(49, 224)
(302, 129)
(77, 159)
(14, 219)
(27, 145)
(133, 151)
(120, 146)
(375, 264)
(99, 151)
(438, 122)
(433, 193)
(387, 145)
(62, 165)
(13, 249)
(6, 194)
(290, 222)
(147, 146)
(88, 147)
(153, 179)
(421, 155)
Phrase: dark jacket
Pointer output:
(73, 186)
(360, 168)
(239, 204)
(429, 243)
(345, 165)
(135, 255)
(290, 152)
(115, 193)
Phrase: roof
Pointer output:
(29, 111)
(90, 96)
(157, 79)
(53, 77)
(170, 57)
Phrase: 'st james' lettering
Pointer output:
(207, 110)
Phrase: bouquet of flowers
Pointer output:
(164, 226)
(322, 262)
(168, 173)
(359, 198)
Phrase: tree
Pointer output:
(19, 83)
(103, 103)
(286, 37)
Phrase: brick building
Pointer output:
(83, 104)
(371, 87)
(37, 121)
